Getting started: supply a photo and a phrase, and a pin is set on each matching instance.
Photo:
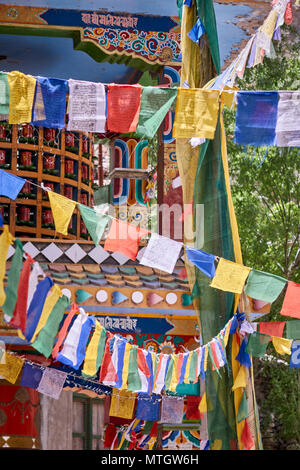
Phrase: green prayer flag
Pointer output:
(155, 103)
(13, 281)
(257, 344)
(293, 329)
(133, 380)
(243, 411)
(169, 373)
(94, 222)
(4, 94)
(45, 340)
(193, 367)
(264, 286)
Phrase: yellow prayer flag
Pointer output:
(240, 380)
(216, 445)
(90, 360)
(62, 210)
(230, 276)
(282, 345)
(196, 113)
(205, 357)
(203, 404)
(270, 23)
(21, 96)
(122, 404)
(12, 367)
(50, 301)
(6, 239)
(228, 95)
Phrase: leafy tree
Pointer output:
(266, 194)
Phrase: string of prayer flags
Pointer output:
(73, 351)
(45, 340)
(94, 222)
(291, 302)
(6, 240)
(148, 407)
(196, 113)
(87, 106)
(50, 102)
(13, 281)
(10, 185)
(4, 94)
(172, 409)
(62, 210)
(161, 253)
(293, 329)
(272, 328)
(18, 319)
(21, 96)
(264, 286)
(282, 345)
(11, 368)
(230, 276)
(204, 261)
(155, 103)
(123, 107)
(256, 118)
(124, 238)
(122, 404)
(52, 382)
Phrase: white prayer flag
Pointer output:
(52, 382)
(161, 253)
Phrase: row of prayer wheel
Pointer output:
(62, 161)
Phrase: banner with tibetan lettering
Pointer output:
(21, 96)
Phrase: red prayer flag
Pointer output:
(107, 370)
(272, 328)
(110, 434)
(63, 330)
(246, 437)
(124, 238)
(192, 408)
(18, 319)
(123, 107)
(291, 302)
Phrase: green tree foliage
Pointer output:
(266, 194)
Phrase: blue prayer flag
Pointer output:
(148, 407)
(10, 185)
(31, 375)
(49, 105)
(197, 31)
(204, 261)
(256, 118)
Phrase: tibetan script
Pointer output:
(109, 20)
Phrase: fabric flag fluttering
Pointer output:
(50, 102)
(94, 222)
(13, 281)
(4, 94)
(272, 328)
(52, 382)
(10, 185)
(18, 319)
(204, 261)
(62, 210)
(21, 89)
(6, 240)
(230, 276)
(291, 302)
(124, 238)
(87, 106)
(264, 286)
(95, 351)
(161, 253)
(123, 107)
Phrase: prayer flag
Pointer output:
(94, 222)
(87, 106)
(12, 367)
(240, 380)
(172, 410)
(6, 240)
(282, 345)
(49, 106)
(124, 238)
(196, 113)
(295, 355)
(123, 107)
(73, 351)
(31, 375)
(63, 330)
(272, 328)
(264, 286)
(243, 411)
(204, 261)
(155, 103)
(13, 281)
(246, 436)
(10, 185)
(148, 407)
(291, 302)
(49, 303)
(108, 372)
(52, 382)
(197, 31)
(18, 319)
(21, 89)
(256, 118)
(36, 272)
(230, 276)
(122, 404)
(161, 253)
(36, 307)
(159, 379)
(288, 119)
(45, 340)
(257, 344)
(293, 329)
(133, 379)
(192, 408)
(62, 210)
(4, 94)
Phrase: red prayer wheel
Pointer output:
(26, 158)
(2, 157)
(69, 166)
(83, 228)
(70, 224)
(50, 186)
(49, 134)
(68, 191)
(69, 139)
(27, 130)
(85, 145)
(49, 162)
(24, 214)
(84, 199)
(84, 171)
(47, 217)
(2, 211)
(26, 188)
(2, 132)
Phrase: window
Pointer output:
(88, 420)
